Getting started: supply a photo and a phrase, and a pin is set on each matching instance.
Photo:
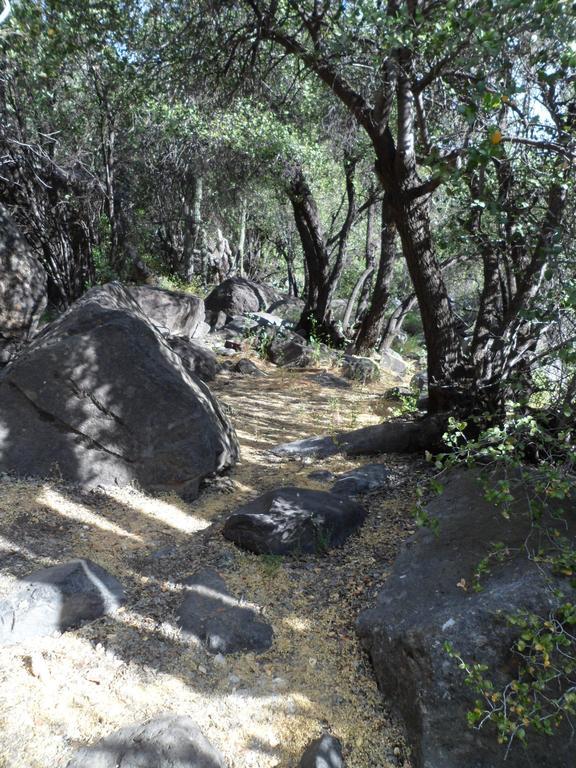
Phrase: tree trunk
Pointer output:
(394, 323)
(242, 238)
(360, 283)
(373, 322)
(193, 227)
(370, 259)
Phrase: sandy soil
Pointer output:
(59, 692)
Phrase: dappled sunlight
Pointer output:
(174, 513)
(78, 512)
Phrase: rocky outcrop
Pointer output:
(168, 741)
(293, 521)
(238, 295)
(56, 599)
(100, 398)
(22, 289)
(291, 350)
(174, 313)
(211, 615)
(427, 601)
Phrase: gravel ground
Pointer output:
(59, 692)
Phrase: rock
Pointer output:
(246, 367)
(360, 369)
(325, 752)
(327, 379)
(322, 476)
(168, 741)
(338, 308)
(216, 320)
(58, 598)
(370, 477)
(420, 380)
(241, 324)
(397, 393)
(238, 295)
(215, 618)
(390, 437)
(101, 399)
(392, 361)
(174, 313)
(266, 320)
(233, 344)
(289, 308)
(22, 289)
(293, 521)
(292, 351)
(425, 603)
(197, 359)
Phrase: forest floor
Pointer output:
(258, 710)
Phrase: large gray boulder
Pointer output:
(360, 369)
(238, 295)
(427, 601)
(100, 398)
(174, 313)
(290, 350)
(293, 521)
(168, 741)
(210, 614)
(56, 599)
(22, 288)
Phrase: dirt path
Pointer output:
(56, 693)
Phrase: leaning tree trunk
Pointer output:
(372, 324)
(193, 227)
(395, 321)
(315, 319)
(370, 259)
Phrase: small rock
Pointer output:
(219, 661)
(325, 752)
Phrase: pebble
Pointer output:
(233, 679)
(219, 661)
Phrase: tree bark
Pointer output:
(372, 324)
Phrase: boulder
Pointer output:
(168, 741)
(246, 367)
(56, 599)
(22, 289)
(238, 295)
(211, 615)
(289, 309)
(392, 361)
(360, 369)
(100, 398)
(325, 752)
(293, 521)
(291, 350)
(216, 320)
(427, 601)
(174, 313)
(370, 477)
(197, 359)
(327, 379)
(266, 319)
(241, 324)
(419, 381)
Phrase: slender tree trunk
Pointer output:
(360, 283)
(373, 322)
(370, 260)
(395, 321)
(193, 228)
(242, 237)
